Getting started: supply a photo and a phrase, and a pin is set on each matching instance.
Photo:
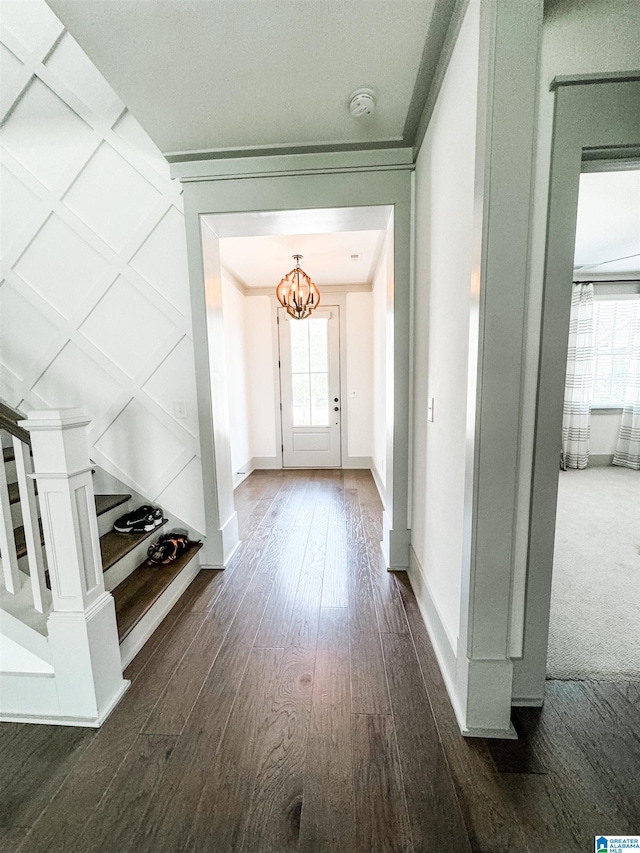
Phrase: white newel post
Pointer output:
(83, 634)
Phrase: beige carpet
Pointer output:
(595, 601)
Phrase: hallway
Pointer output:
(293, 702)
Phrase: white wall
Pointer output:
(261, 369)
(605, 427)
(357, 317)
(379, 408)
(234, 306)
(94, 296)
(444, 216)
(360, 357)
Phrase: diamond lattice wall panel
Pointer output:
(180, 493)
(111, 197)
(10, 386)
(44, 135)
(10, 65)
(74, 379)
(128, 129)
(174, 380)
(32, 22)
(25, 334)
(15, 197)
(126, 327)
(74, 68)
(84, 190)
(61, 266)
(140, 447)
(161, 265)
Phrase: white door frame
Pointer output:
(325, 310)
(339, 298)
(600, 117)
(295, 182)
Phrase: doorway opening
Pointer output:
(311, 393)
(595, 564)
(223, 208)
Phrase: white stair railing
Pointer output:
(83, 635)
(29, 507)
(11, 574)
(81, 625)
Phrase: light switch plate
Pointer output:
(430, 409)
(180, 409)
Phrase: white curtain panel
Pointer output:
(578, 389)
(628, 448)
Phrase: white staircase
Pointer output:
(77, 600)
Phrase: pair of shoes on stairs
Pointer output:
(144, 519)
(168, 548)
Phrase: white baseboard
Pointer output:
(54, 720)
(266, 463)
(379, 485)
(600, 460)
(358, 462)
(438, 634)
(445, 653)
(241, 475)
(522, 702)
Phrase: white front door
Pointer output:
(310, 389)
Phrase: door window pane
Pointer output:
(301, 400)
(299, 346)
(318, 344)
(319, 399)
(309, 371)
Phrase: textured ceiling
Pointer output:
(211, 75)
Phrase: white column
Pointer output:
(510, 35)
(83, 634)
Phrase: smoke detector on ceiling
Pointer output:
(362, 103)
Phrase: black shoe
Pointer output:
(168, 548)
(141, 520)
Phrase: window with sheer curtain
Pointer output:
(614, 324)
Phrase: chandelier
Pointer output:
(297, 293)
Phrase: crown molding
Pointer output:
(264, 165)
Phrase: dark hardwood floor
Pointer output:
(293, 702)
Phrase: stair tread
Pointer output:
(143, 587)
(114, 546)
(103, 504)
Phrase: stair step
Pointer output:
(104, 503)
(137, 594)
(14, 493)
(114, 546)
(101, 500)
